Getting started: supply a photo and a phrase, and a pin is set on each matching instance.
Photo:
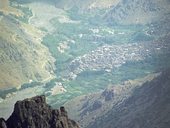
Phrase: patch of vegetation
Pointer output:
(4, 93)
(29, 85)
(83, 37)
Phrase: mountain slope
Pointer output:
(23, 58)
(121, 11)
(147, 107)
(86, 109)
(138, 11)
(142, 103)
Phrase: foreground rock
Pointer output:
(35, 113)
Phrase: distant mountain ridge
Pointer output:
(138, 11)
(121, 11)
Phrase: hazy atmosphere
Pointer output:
(106, 61)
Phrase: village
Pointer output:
(108, 57)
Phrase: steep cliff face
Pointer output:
(35, 113)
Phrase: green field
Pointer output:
(80, 40)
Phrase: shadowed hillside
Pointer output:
(147, 107)
(142, 103)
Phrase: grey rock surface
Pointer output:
(35, 113)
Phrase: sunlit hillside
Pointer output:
(23, 58)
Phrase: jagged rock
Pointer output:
(2, 123)
(35, 113)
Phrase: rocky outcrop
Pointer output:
(2, 123)
(35, 113)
